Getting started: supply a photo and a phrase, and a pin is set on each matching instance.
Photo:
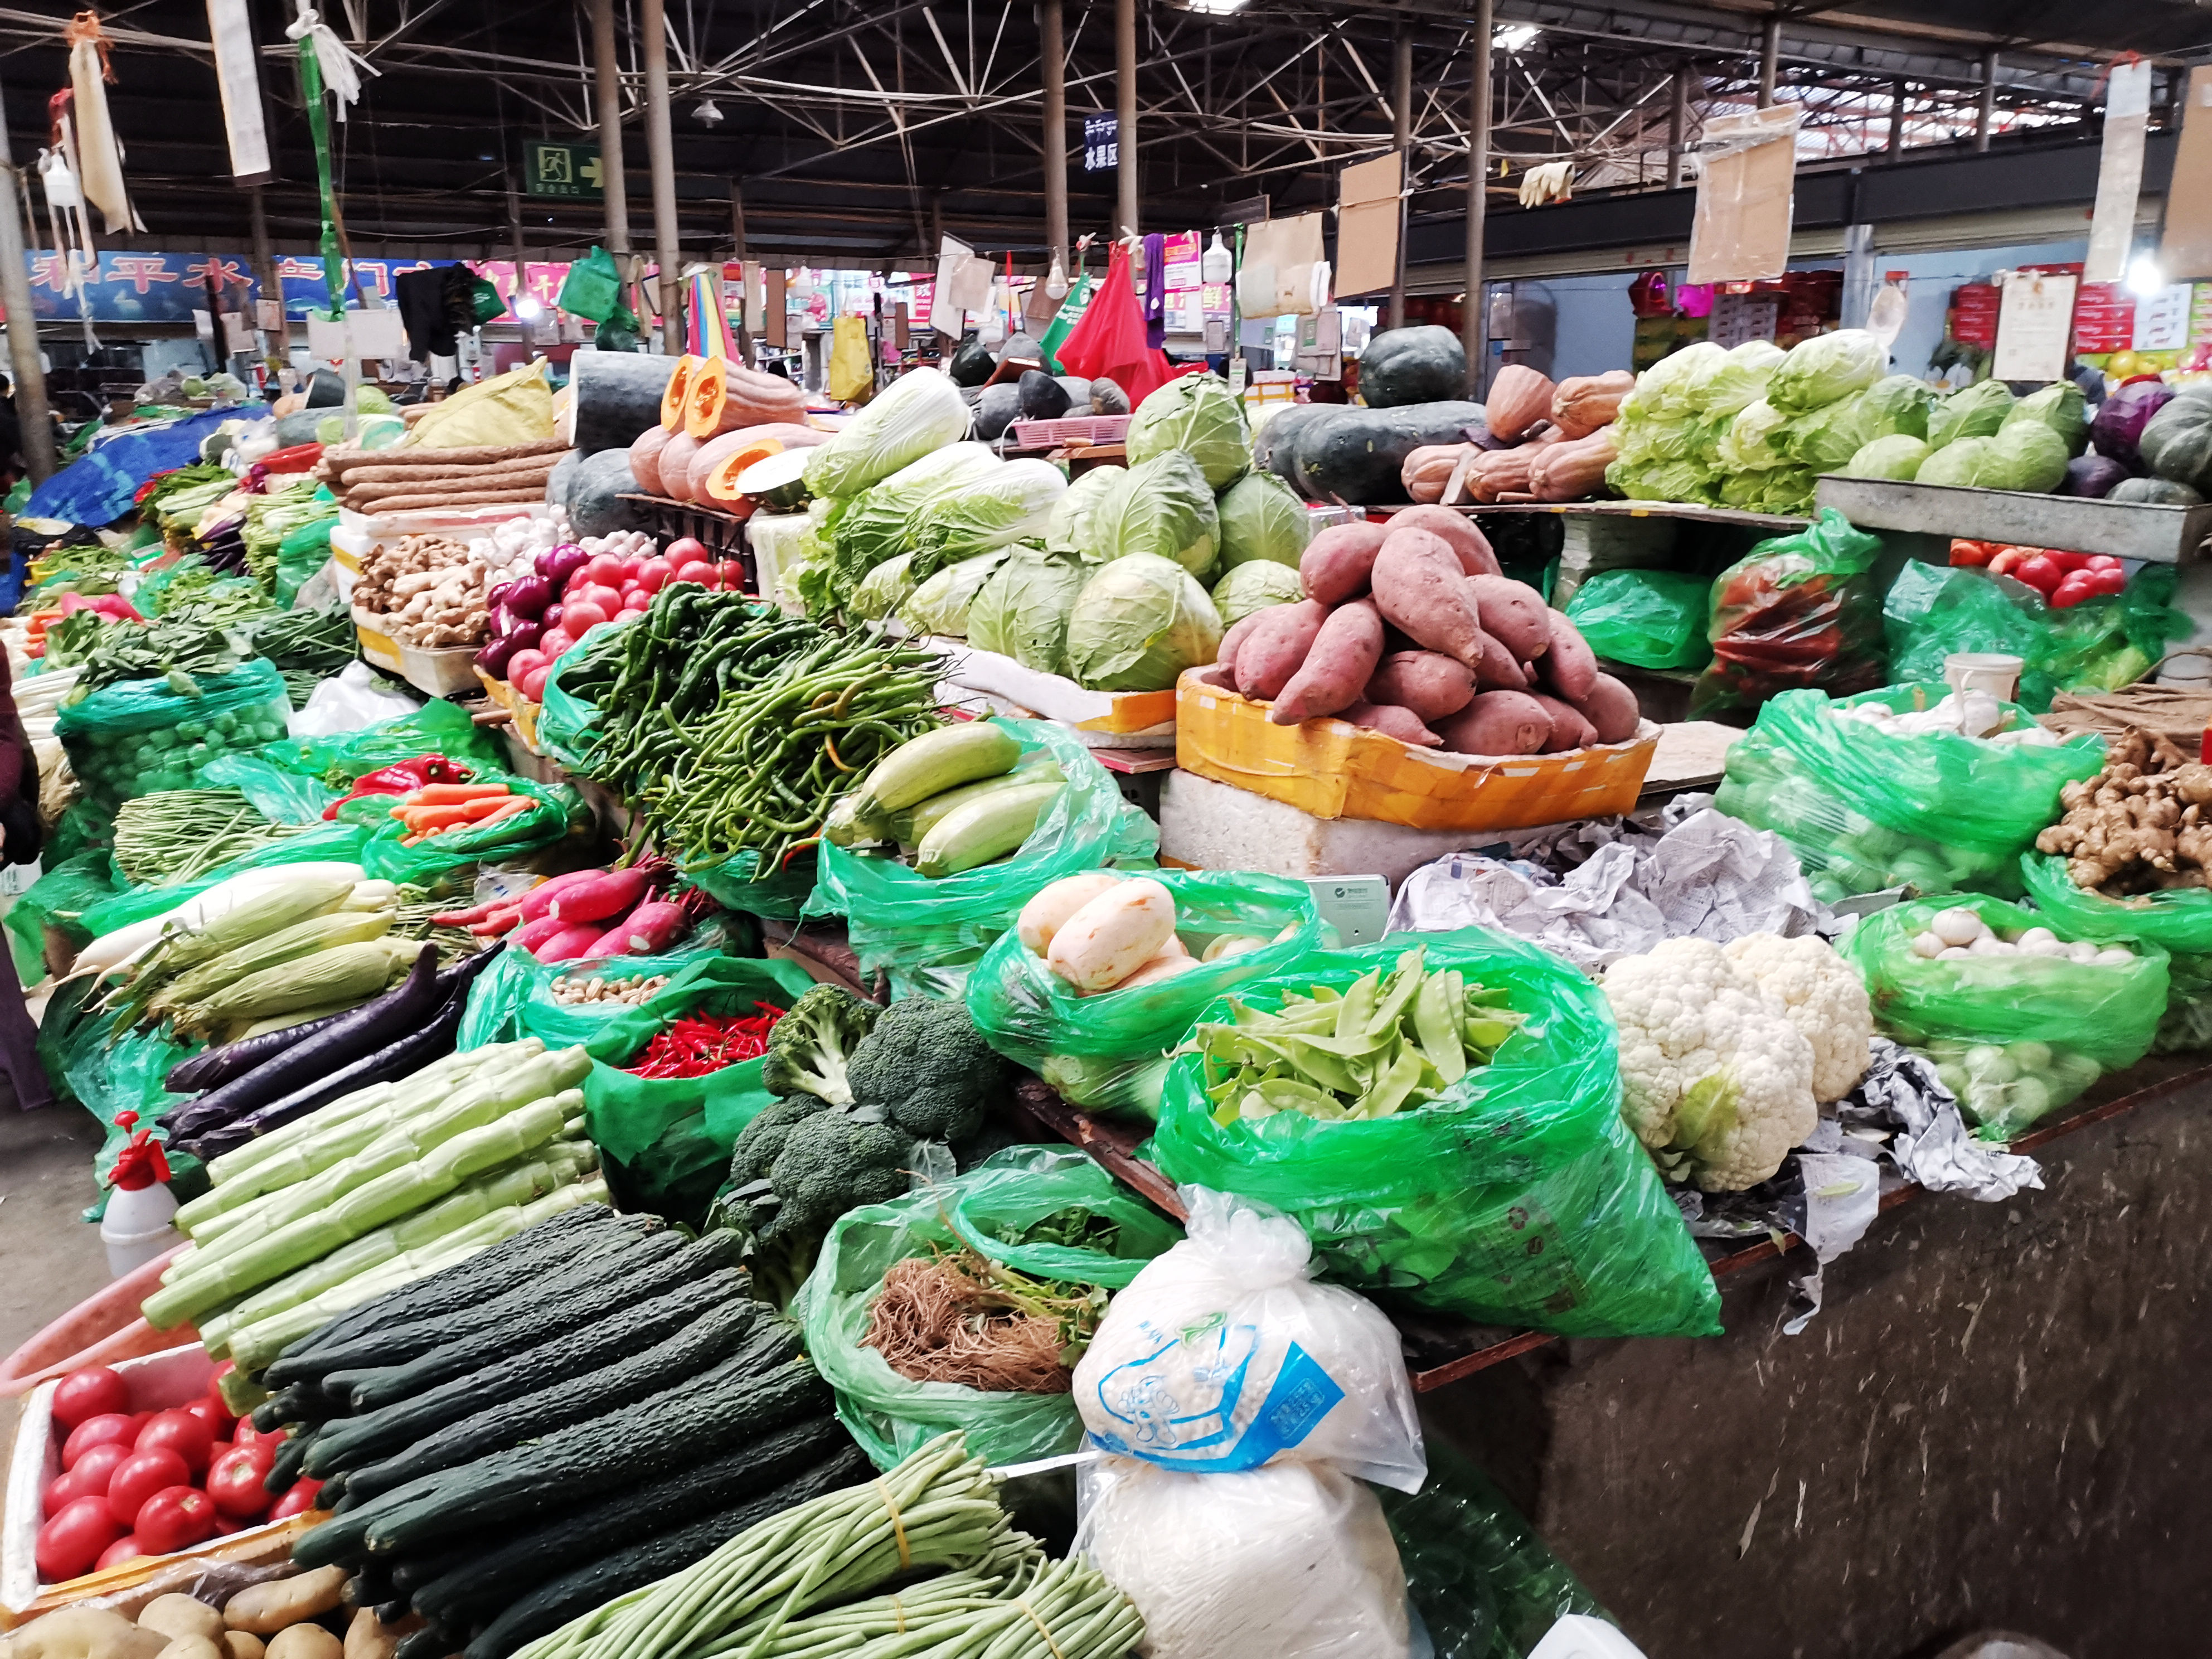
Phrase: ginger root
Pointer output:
(2137, 826)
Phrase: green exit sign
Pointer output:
(551, 169)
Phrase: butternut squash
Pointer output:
(709, 456)
(645, 457)
(1572, 470)
(1519, 398)
(727, 396)
(1498, 472)
(673, 396)
(675, 465)
(1429, 469)
(1584, 403)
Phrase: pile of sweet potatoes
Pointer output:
(1409, 629)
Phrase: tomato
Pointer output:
(139, 1476)
(92, 1392)
(125, 1548)
(607, 597)
(629, 569)
(175, 1518)
(600, 570)
(555, 641)
(583, 616)
(532, 684)
(696, 570)
(653, 574)
(71, 1543)
(629, 611)
(109, 1428)
(2040, 572)
(298, 1500)
(272, 1438)
(213, 1412)
(2114, 581)
(682, 550)
(733, 575)
(233, 1481)
(88, 1479)
(518, 667)
(2070, 593)
(188, 1436)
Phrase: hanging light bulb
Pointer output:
(1216, 265)
(1055, 283)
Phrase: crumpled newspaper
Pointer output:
(1685, 870)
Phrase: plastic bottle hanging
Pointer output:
(1215, 265)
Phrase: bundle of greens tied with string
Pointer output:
(868, 1099)
(732, 729)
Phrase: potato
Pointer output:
(1514, 613)
(1224, 656)
(1049, 911)
(1335, 565)
(1498, 723)
(177, 1615)
(1569, 667)
(237, 1644)
(368, 1636)
(1419, 586)
(1570, 730)
(1499, 671)
(305, 1641)
(1467, 541)
(1159, 968)
(1611, 709)
(1271, 653)
(191, 1647)
(83, 1633)
(1391, 721)
(1428, 682)
(266, 1609)
(1113, 935)
(1338, 667)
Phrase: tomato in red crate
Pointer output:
(92, 1392)
(175, 1518)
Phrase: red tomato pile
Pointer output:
(146, 1483)
(606, 589)
(2064, 579)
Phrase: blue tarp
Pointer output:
(97, 488)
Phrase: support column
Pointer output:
(660, 153)
(1054, 54)
(1985, 117)
(1474, 324)
(1125, 96)
(1678, 128)
(1896, 145)
(1770, 60)
(31, 410)
(521, 253)
(607, 77)
(738, 215)
(264, 266)
(1401, 134)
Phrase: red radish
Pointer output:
(614, 892)
(499, 923)
(653, 574)
(684, 548)
(698, 570)
(539, 901)
(585, 615)
(531, 934)
(89, 1393)
(652, 927)
(532, 684)
(125, 1548)
(568, 944)
(108, 1428)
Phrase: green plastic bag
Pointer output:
(2015, 1037)
(927, 933)
(423, 864)
(1864, 809)
(304, 550)
(106, 1075)
(731, 883)
(1007, 1194)
(519, 981)
(2178, 918)
(334, 843)
(1646, 618)
(57, 901)
(592, 287)
(1108, 1052)
(566, 722)
(1521, 1198)
(436, 728)
(275, 792)
(136, 737)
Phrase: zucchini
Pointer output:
(936, 762)
(299, 1403)
(912, 826)
(478, 1586)
(732, 1333)
(362, 1440)
(987, 827)
(610, 1295)
(574, 1594)
(677, 1428)
(284, 1468)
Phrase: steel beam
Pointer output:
(1474, 324)
(1401, 136)
(660, 153)
(1052, 64)
(607, 85)
(1125, 96)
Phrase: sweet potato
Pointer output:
(1276, 649)
(1427, 682)
(1498, 723)
(1226, 656)
(1514, 613)
(1499, 671)
(1391, 721)
(1338, 667)
(1419, 586)
(1569, 667)
(1456, 527)
(1570, 730)
(1335, 565)
(1611, 709)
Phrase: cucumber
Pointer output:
(936, 762)
(779, 482)
(847, 826)
(987, 827)
(911, 827)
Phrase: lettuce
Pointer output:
(1011, 504)
(1826, 369)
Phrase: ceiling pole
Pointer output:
(1678, 126)
(737, 216)
(1125, 93)
(265, 267)
(1052, 53)
(38, 426)
(1896, 144)
(660, 153)
(1401, 134)
(1770, 60)
(521, 253)
(607, 75)
(1472, 320)
(1985, 117)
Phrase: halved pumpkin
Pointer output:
(708, 456)
(673, 407)
(723, 478)
(727, 396)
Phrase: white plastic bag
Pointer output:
(1292, 1561)
(348, 702)
(1222, 1355)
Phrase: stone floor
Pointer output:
(49, 1261)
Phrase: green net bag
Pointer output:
(1865, 810)
(2178, 918)
(987, 1209)
(2014, 1036)
(138, 735)
(1108, 1051)
(1520, 1199)
(927, 933)
(1646, 618)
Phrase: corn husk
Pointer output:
(301, 939)
(359, 969)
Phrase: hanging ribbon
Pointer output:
(322, 51)
(706, 326)
(333, 56)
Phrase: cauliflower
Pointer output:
(1715, 1081)
(1820, 994)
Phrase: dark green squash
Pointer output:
(2177, 442)
(972, 364)
(1355, 455)
(2157, 492)
(1275, 444)
(1418, 365)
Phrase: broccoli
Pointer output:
(823, 1163)
(808, 1048)
(762, 1140)
(927, 1067)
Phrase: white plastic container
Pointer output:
(1993, 672)
(140, 1221)
(1578, 1636)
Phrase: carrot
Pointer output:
(427, 820)
(477, 810)
(456, 795)
(514, 807)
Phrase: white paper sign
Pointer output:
(2035, 326)
(378, 333)
(2162, 318)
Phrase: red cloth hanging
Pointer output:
(1108, 342)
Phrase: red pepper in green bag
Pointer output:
(402, 778)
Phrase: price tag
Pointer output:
(1357, 907)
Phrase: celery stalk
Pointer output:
(366, 1207)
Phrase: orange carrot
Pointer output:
(512, 807)
(478, 809)
(430, 819)
(456, 795)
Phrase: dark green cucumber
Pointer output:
(607, 1300)
(512, 1262)
(553, 1605)
(284, 1469)
(480, 1585)
(360, 1441)
(427, 1642)
(677, 1428)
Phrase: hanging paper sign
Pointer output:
(2035, 326)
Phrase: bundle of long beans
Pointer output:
(731, 726)
(178, 834)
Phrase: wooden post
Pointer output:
(1678, 128)
(1473, 323)
(1770, 60)
(265, 267)
(1401, 134)
(1125, 92)
(1053, 53)
(607, 74)
(661, 152)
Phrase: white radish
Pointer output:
(2081, 950)
(1113, 935)
(1048, 912)
(1159, 968)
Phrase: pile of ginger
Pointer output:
(2142, 824)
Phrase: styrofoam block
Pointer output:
(1218, 826)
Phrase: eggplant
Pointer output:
(214, 1068)
(359, 1032)
(462, 974)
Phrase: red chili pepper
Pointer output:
(402, 778)
(692, 1045)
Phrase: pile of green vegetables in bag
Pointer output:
(136, 736)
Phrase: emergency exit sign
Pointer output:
(551, 169)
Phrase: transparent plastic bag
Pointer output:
(1798, 611)
(346, 702)
(1108, 1051)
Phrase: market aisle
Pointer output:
(53, 1258)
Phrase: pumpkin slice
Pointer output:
(672, 405)
(723, 478)
(727, 396)
(645, 458)
(676, 466)
(707, 460)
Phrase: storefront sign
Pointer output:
(1101, 143)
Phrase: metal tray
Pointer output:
(2128, 529)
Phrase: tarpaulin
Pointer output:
(97, 488)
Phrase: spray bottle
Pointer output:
(139, 1223)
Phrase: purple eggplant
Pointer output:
(213, 1068)
(2092, 476)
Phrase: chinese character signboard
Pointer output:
(1101, 143)
(561, 169)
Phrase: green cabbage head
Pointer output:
(2058, 406)
(1254, 587)
(1022, 611)
(940, 605)
(1969, 462)
(1140, 621)
(1068, 530)
(1163, 506)
(1896, 403)
(1897, 457)
(1825, 369)
(1262, 518)
(2033, 456)
(1198, 414)
(1976, 411)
